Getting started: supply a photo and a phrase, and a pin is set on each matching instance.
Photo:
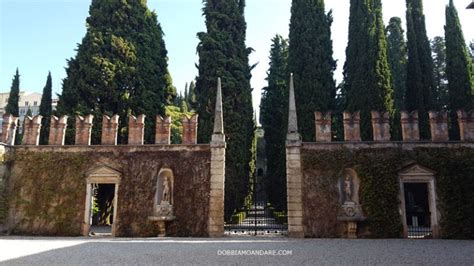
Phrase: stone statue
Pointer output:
(348, 188)
(166, 196)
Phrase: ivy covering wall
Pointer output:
(378, 170)
(47, 189)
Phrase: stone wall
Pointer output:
(48, 187)
(378, 166)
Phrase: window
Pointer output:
(26, 103)
(35, 103)
(6, 100)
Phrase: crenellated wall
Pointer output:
(381, 126)
(356, 188)
(109, 129)
(49, 187)
(380, 167)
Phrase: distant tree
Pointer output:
(458, 68)
(120, 67)
(183, 107)
(45, 110)
(367, 77)
(397, 58)
(273, 117)
(311, 61)
(14, 98)
(29, 113)
(420, 81)
(223, 53)
(440, 92)
(186, 92)
(192, 100)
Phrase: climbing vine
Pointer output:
(47, 191)
(379, 188)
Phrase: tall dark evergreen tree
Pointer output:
(367, 77)
(45, 110)
(14, 98)
(120, 67)
(273, 117)
(440, 91)
(310, 60)
(192, 100)
(223, 53)
(397, 57)
(420, 81)
(458, 68)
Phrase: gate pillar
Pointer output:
(294, 176)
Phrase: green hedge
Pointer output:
(379, 189)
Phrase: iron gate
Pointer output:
(258, 217)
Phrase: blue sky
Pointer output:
(38, 36)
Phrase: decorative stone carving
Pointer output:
(323, 124)
(439, 126)
(410, 127)
(466, 125)
(350, 211)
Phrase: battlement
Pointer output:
(466, 125)
(409, 123)
(109, 130)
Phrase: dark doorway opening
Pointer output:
(102, 211)
(418, 216)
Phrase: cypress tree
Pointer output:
(223, 53)
(440, 92)
(420, 81)
(192, 96)
(120, 67)
(397, 58)
(310, 60)
(397, 55)
(368, 82)
(458, 68)
(273, 116)
(45, 110)
(14, 98)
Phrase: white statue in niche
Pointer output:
(166, 197)
(348, 188)
(164, 194)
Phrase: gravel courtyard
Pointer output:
(255, 251)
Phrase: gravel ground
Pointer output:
(232, 251)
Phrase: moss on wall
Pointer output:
(378, 170)
(48, 190)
